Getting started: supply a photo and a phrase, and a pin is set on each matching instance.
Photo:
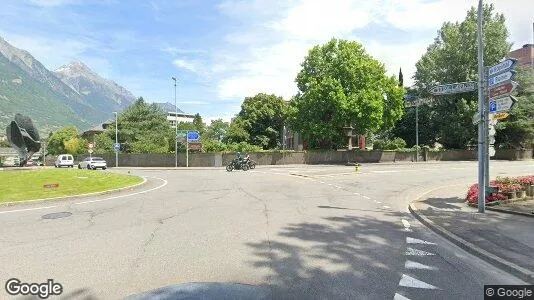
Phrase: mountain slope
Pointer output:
(101, 93)
(167, 107)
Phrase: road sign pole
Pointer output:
(187, 152)
(486, 132)
(481, 135)
(417, 130)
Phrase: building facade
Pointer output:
(524, 55)
(173, 117)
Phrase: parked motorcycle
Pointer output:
(237, 165)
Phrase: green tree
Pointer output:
(199, 125)
(143, 128)
(339, 85)
(401, 78)
(4, 144)
(517, 131)
(75, 145)
(262, 117)
(217, 130)
(453, 58)
(237, 132)
(103, 144)
(56, 142)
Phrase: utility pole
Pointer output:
(116, 139)
(175, 126)
(417, 130)
(481, 106)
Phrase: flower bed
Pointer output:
(504, 186)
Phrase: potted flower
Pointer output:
(528, 184)
(510, 189)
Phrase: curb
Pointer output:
(33, 201)
(512, 268)
(512, 212)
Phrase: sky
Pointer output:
(223, 51)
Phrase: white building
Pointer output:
(173, 117)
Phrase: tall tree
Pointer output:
(58, 139)
(339, 85)
(517, 131)
(453, 58)
(199, 125)
(143, 128)
(401, 78)
(262, 117)
(217, 130)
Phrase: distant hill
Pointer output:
(73, 96)
(167, 107)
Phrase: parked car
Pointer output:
(93, 163)
(64, 160)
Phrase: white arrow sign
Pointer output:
(476, 118)
(501, 78)
(501, 67)
(501, 104)
(453, 88)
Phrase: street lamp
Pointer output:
(116, 139)
(175, 126)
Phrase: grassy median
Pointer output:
(41, 183)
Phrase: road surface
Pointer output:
(292, 232)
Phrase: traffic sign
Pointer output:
(502, 78)
(491, 130)
(193, 136)
(500, 116)
(117, 146)
(504, 89)
(90, 145)
(492, 139)
(195, 146)
(90, 150)
(454, 88)
(503, 104)
(501, 67)
(491, 151)
(476, 118)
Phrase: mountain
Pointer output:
(73, 95)
(101, 93)
(167, 107)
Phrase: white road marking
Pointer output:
(417, 252)
(387, 171)
(357, 194)
(386, 207)
(409, 281)
(400, 297)
(415, 265)
(165, 182)
(405, 223)
(365, 197)
(27, 209)
(410, 240)
(339, 187)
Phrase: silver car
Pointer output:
(93, 163)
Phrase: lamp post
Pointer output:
(116, 139)
(175, 126)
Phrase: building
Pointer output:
(524, 55)
(173, 117)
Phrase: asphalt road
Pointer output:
(277, 232)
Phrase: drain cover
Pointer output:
(57, 215)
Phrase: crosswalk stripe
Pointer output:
(417, 252)
(415, 265)
(409, 281)
(399, 297)
(410, 240)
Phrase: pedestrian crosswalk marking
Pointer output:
(415, 265)
(410, 240)
(399, 297)
(408, 281)
(417, 252)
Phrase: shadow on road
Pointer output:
(445, 203)
(344, 257)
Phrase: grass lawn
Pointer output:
(28, 184)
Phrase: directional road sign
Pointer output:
(501, 67)
(117, 146)
(497, 105)
(454, 88)
(193, 136)
(90, 150)
(501, 78)
(500, 116)
(504, 89)
(491, 151)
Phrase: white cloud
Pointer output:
(175, 50)
(187, 65)
(265, 56)
(194, 102)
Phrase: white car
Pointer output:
(64, 160)
(93, 163)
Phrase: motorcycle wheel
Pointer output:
(229, 168)
(245, 167)
(252, 165)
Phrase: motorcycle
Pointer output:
(251, 164)
(237, 165)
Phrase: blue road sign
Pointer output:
(193, 136)
(117, 146)
(492, 106)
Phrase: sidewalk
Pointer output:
(503, 239)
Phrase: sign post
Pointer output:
(192, 136)
(481, 135)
